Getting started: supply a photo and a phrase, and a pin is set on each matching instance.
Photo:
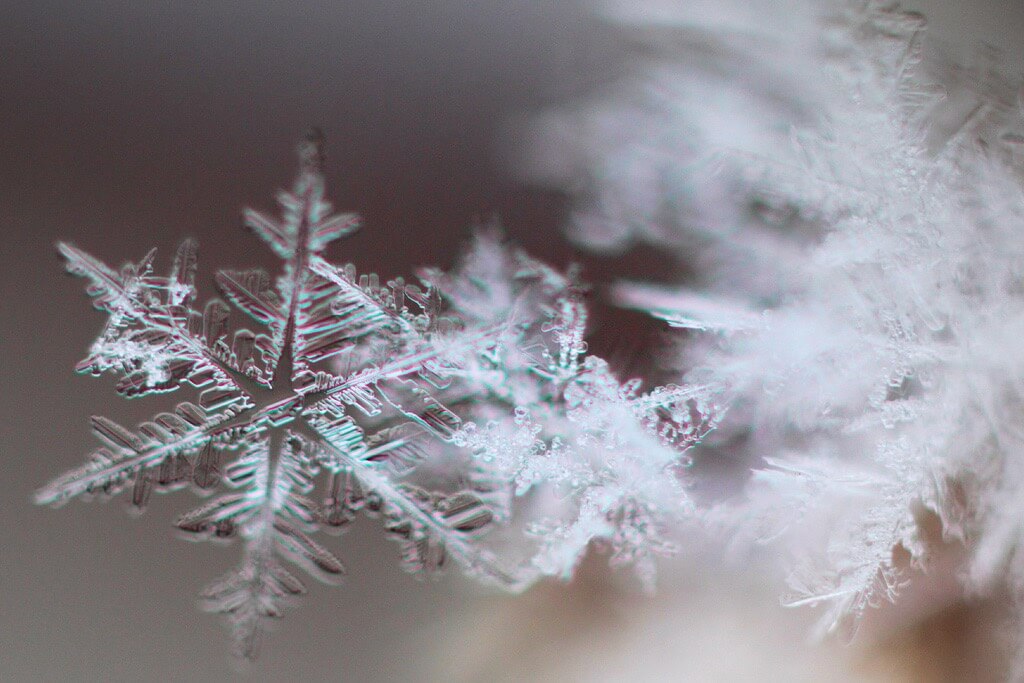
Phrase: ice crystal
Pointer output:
(368, 390)
(851, 235)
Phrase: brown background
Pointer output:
(127, 125)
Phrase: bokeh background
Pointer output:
(128, 125)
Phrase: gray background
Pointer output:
(127, 125)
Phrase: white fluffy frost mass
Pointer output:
(848, 220)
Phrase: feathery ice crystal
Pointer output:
(369, 391)
(850, 220)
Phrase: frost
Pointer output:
(357, 395)
(849, 218)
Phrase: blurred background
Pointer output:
(128, 125)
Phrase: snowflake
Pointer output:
(614, 458)
(263, 396)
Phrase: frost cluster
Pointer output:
(848, 217)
